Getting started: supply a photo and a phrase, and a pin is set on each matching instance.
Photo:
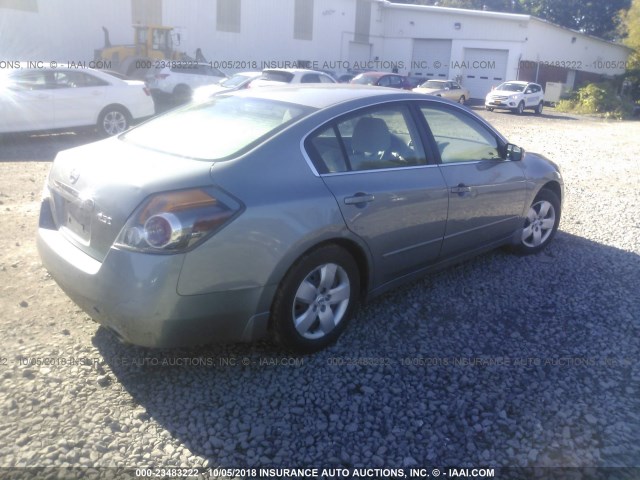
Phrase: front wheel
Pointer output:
(520, 108)
(316, 299)
(113, 121)
(541, 223)
(490, 109)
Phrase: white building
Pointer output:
(480, 48)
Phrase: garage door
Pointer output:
(483, 68)
(359, 53)
(431, 58)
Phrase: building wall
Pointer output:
(337, 35)
(48, 32)
(266, 32)
(553, 45)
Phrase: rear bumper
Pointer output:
(135, 295)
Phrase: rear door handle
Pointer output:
(461, 188)
(359, 199)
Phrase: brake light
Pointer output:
(173, 222)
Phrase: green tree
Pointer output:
(630, 29)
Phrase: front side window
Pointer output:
(459, 137)
(220, 128)
(373, 139)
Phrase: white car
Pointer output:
(516, 96)
(275, 76)
(33, 99)
(238, 81)
(180, 79)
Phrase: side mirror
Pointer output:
(514, 152)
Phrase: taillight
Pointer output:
(173, 222)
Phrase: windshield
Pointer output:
(364, 80)
(235, 81)
(433, 84)
(511, 87)
(216, 129)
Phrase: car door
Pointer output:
(373, 162)
(26, 103)
(532, 95)
(486, 192)
(79, 98)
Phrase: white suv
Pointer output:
(273, 76)
(180, 79)
(516, 96)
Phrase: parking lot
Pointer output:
(500, 361)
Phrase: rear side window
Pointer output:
(223, 127)
(372, 139)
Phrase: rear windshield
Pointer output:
(277, 76)
(433, 84)
(223, 127)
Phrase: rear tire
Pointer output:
(490, 109)
(539, 108)
(461, 100)
(316, 299)
(182, 94)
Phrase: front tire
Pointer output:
(113, 121)
(490, 109)
(541, 223)
(316, 299)
(520, 108)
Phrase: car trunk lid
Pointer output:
(95, 188)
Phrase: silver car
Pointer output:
(279, 210)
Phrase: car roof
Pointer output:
(64, 67)
(293, 70)
(318, 95)
(379, 74)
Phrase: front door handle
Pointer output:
(359, 198)
(461, 189)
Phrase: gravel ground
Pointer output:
(500, 361)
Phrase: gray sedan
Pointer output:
(278, 211)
